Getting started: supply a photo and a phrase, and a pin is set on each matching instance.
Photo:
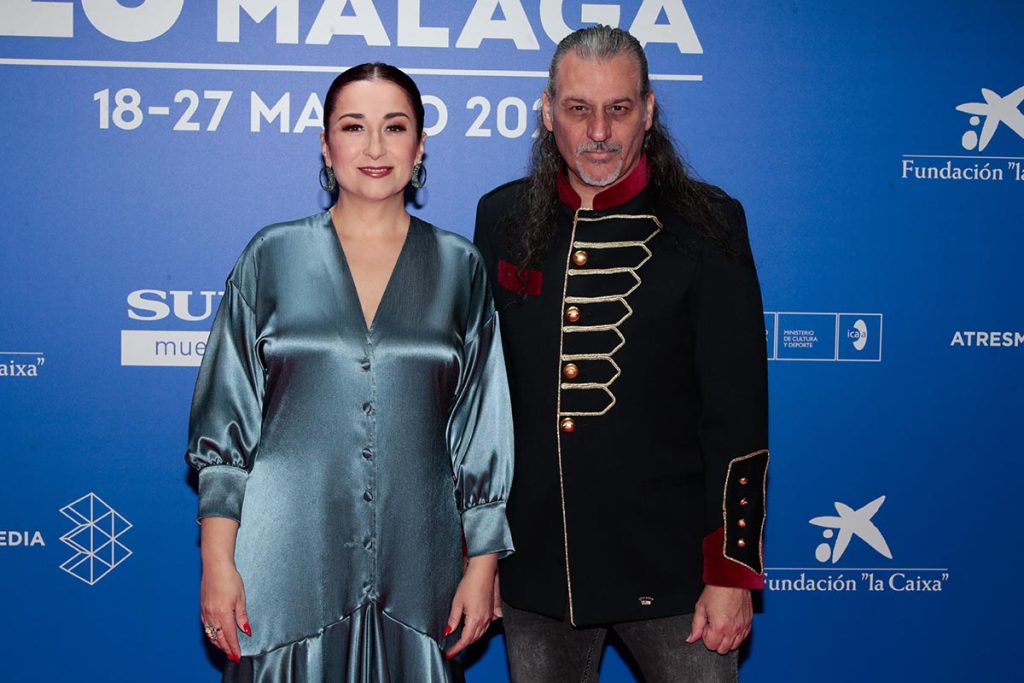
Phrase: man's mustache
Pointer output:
(597, 147)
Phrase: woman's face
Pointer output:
(371, 141)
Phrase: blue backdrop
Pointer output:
(878, 149)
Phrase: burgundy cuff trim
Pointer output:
(719, 570)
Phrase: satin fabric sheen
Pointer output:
(354, 458)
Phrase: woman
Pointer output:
(351, 424)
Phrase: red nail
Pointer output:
(447, 632)
(234, 658)
(247, 629)
(451, 656)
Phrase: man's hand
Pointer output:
(722, 618)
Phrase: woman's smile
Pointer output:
(376, 171)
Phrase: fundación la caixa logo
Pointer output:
(854, 525)
(21, 364)
(824, 336)
(993, 117)
(184, 317)
(95, 538)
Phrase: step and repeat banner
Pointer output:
(878, 149)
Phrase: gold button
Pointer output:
(568, 425)
(741, 543)
(580, 258)
(570, 371)
(744, 502)
(743, 481)
(742, 523)
(572, 314)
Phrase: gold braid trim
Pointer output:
(613, 327)
(764, 516)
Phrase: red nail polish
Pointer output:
(246, 628)
(449, 656)
(447, 631)
(234, 658)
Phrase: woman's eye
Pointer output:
(352, 127)
(396, 128)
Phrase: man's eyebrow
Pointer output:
(581, 100)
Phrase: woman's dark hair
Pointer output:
(670, 177)
(375, 71)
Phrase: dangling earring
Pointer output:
(327, 181)
(419, 175)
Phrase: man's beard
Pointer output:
(614, 166)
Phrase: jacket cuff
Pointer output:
(720, 570)
(743, 510)
(486, 530)
(221, 490)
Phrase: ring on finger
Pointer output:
(212, 632)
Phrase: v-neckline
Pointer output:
(369, 328)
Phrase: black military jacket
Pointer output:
(637, 365)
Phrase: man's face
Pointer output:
(598, 118)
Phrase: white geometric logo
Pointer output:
(996, 110)
(94, 538)
(851, 523)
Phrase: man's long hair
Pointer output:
(670, 179)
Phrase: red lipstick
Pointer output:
(376, 171)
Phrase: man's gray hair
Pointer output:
(599, 43)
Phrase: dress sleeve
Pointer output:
(731, 367)
(225, 422)
(480, 435)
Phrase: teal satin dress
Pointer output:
(355, 459)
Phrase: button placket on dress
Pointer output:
(369, 454)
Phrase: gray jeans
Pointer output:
(545, 650)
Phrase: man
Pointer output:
(635, 345)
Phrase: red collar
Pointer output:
(616, 195)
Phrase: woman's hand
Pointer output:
(497, 599)
(221, 594)
(473, 604)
